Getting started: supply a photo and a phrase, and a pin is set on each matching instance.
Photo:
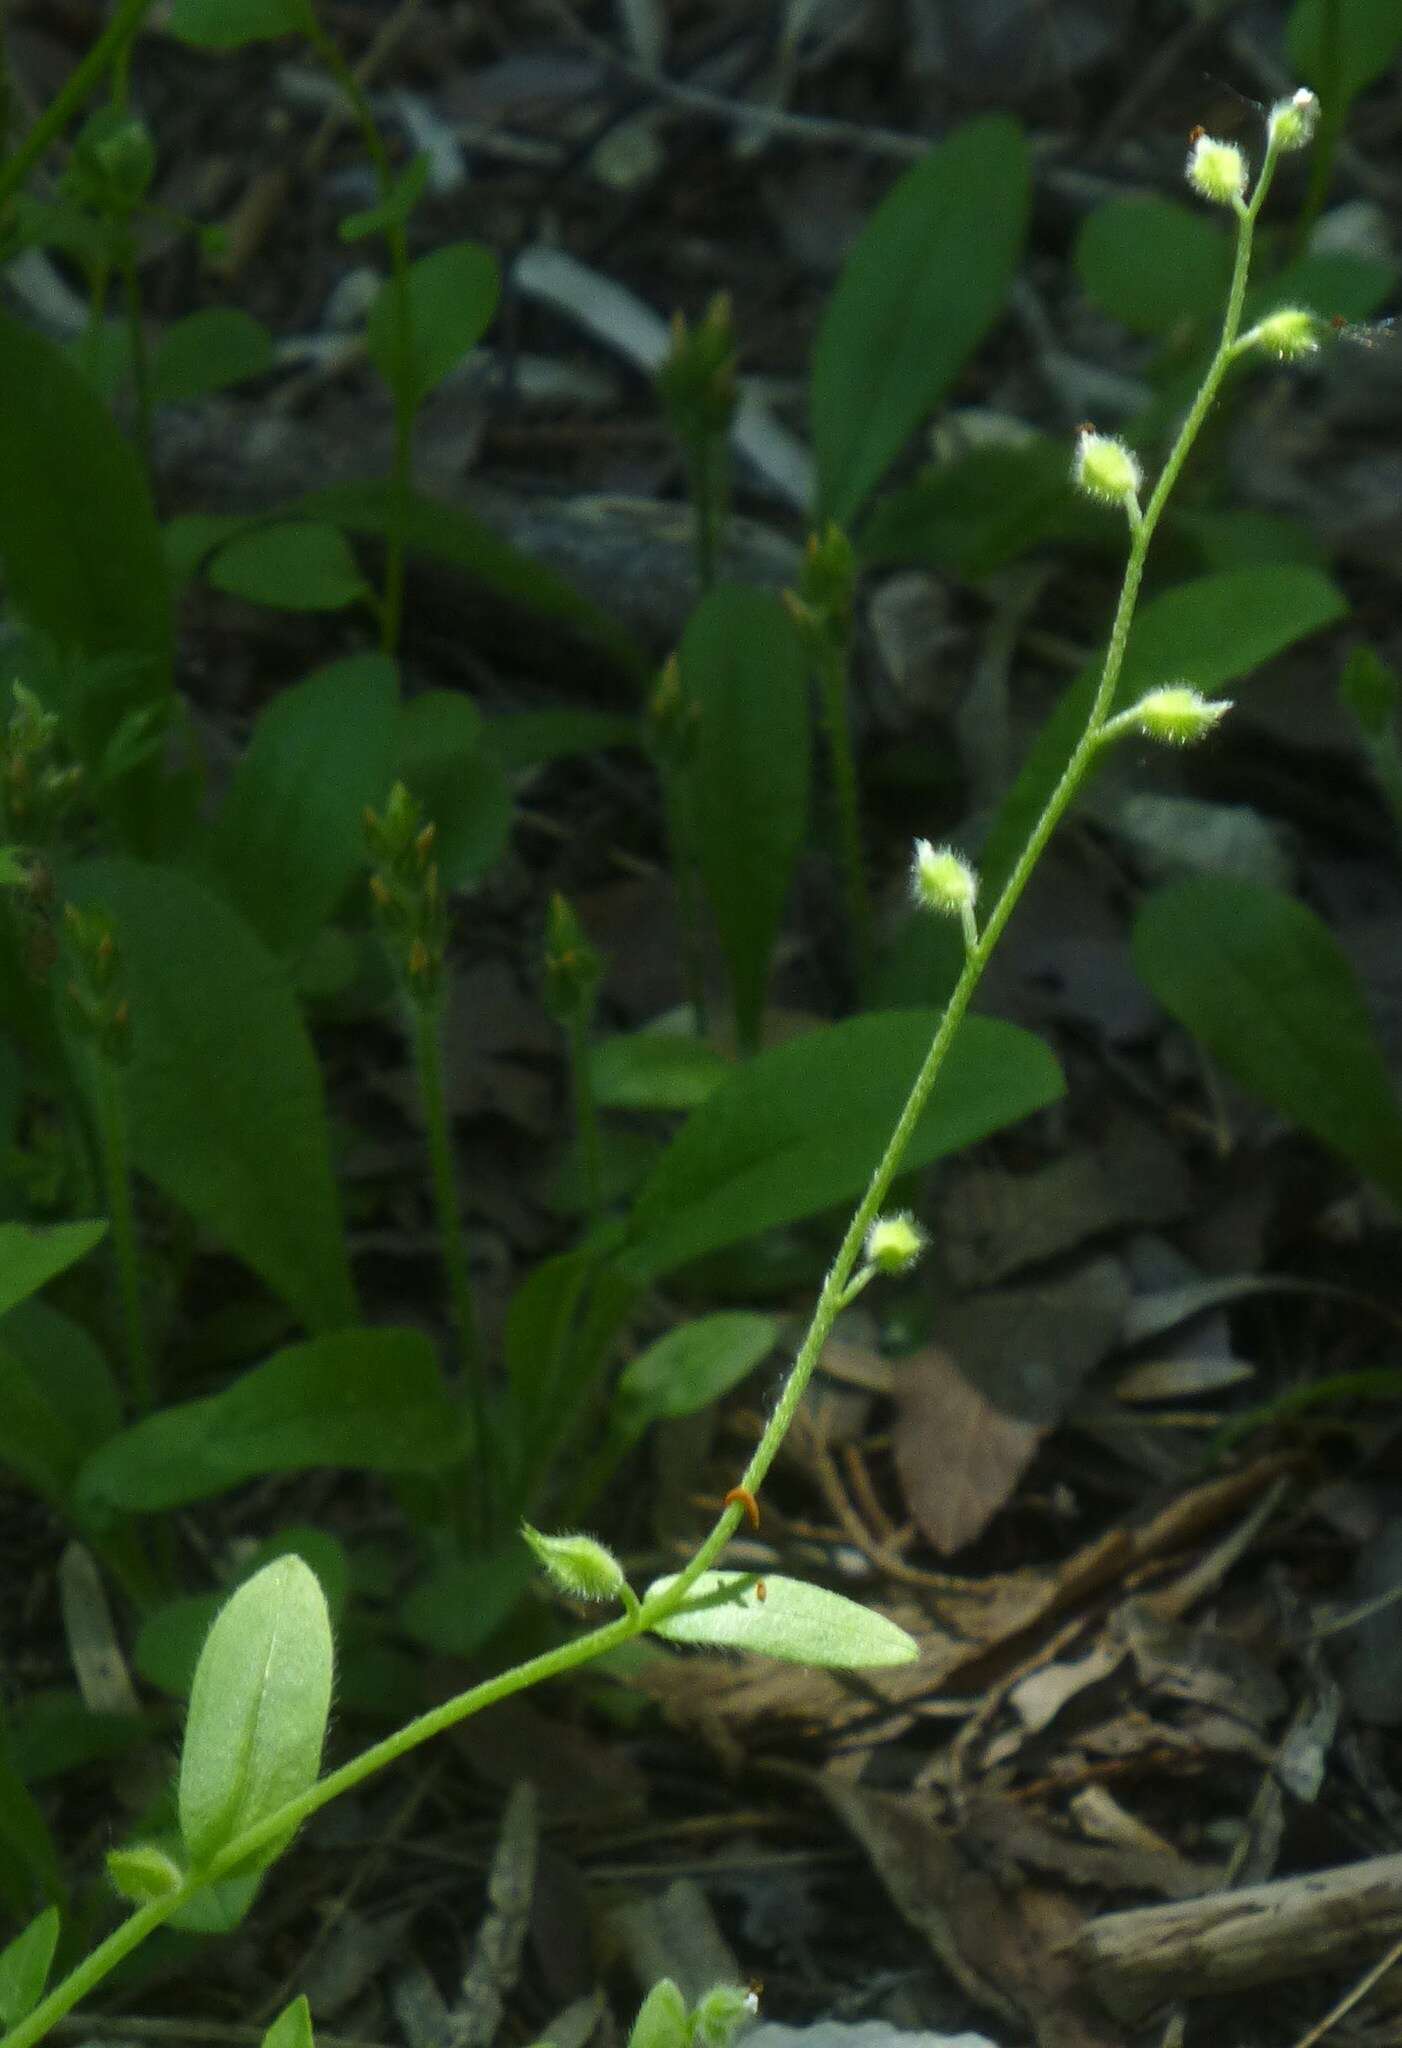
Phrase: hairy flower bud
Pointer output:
(941, 880)
(1289, 333)
(577, 1565)
(1178, 714)
(894, 1243)
(1105, 468)
(1217, 170)
(1292, 122)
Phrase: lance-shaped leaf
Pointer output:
(783, 1618)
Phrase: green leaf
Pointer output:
(981, 510)
(656, 1070)
(293, 2026)
(801, 1127)
(294, 565)
(170, 1639)
(1210, 632)
(689, 1369)
(208, 351)
(366, 1400)
(451, 534)
(444, 762)
(798, 1623)
(453, 294)
(24, 1966)
(80, 548)
(393, 211)
(225, 1099)
(229, 24)
(32, 1254)
(459, 1605)
(922, 286)
(530, 739)
(746, 675)
(559, 1329)
(663, 2020)
(289, 841)
(1155, 265)
(1341, 46)
(58, 1399)
(258, 1711)
(28, 1857)
(1268, 990)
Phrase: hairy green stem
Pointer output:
(81, 81)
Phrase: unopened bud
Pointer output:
(894, 1243)
(1292, 122)
(577, 1565)
(720, 2014)
(1217, 170)
(143, 1872)
(1105, 468)
(942, 881)
(1178, 715)
(1289, 333)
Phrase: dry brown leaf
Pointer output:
(958, 1456)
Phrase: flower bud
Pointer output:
(1105, 468)
(940, 880)
(663, 2020)
(894, 1243)
(1177, 714)
(1291, 123)
(720, 2014)
(1289, 333)
(573, 969)
(143, 1872)
(577, 1565)
(1217, 170)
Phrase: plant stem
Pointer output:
(111, 1118)
(707, 474)
(832, 681)
(136, 333)
(401, 384)
(81, 81)
(424, 1023)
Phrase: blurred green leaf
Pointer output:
(1341, 46)
(796, 1622)
(293, 565)
(207, 351)
(293, 2026)
(443, 758)
(922, 286)
(225, 1099)
(394, 209)
(365, 1400)
(31, 1254)
(29, 1864)
(982, 510)
(58, 1399)
(802, 1126)
(745, 673)
(529, 739)
(1154, 264)
(453, 294)
(229, 24)
(689, 1369)
(24, 1966)
(288, 840)
(1265, 986)
(656, 1070)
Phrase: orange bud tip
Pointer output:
(741, 1497)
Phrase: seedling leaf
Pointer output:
(796, 1622)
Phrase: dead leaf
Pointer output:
(958, 1456)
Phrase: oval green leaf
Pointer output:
(689, 1368)
(922, 286)
(207, 351)
(1153, 264)
(32, 1254)
(453, 294)
(294, 565)
(798, 1623)
(1265, 986)
(258, 1711)
(229, 24)
(24, 1966)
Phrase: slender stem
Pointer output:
(424, 1025)
(832, 679)
(706, 456)
(586, 1116)
(81, 81)
(402, 382)
(111, 1117)
(136, 333)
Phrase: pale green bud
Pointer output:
(662, 2020)
(721, 2013)
(941, 880)
(1178, 715)
(1217, 170)
(577, 1565)
(1105, 468)
(1292, 122)
(143, 1872)
(1290, 332)
(894, 1243)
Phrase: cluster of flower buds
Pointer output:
(1218, 170)
(36, 784)
(696, 378)
(823, 604)
(664, 2021)
(573, 969)
(97, 1009)
(407, 894)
